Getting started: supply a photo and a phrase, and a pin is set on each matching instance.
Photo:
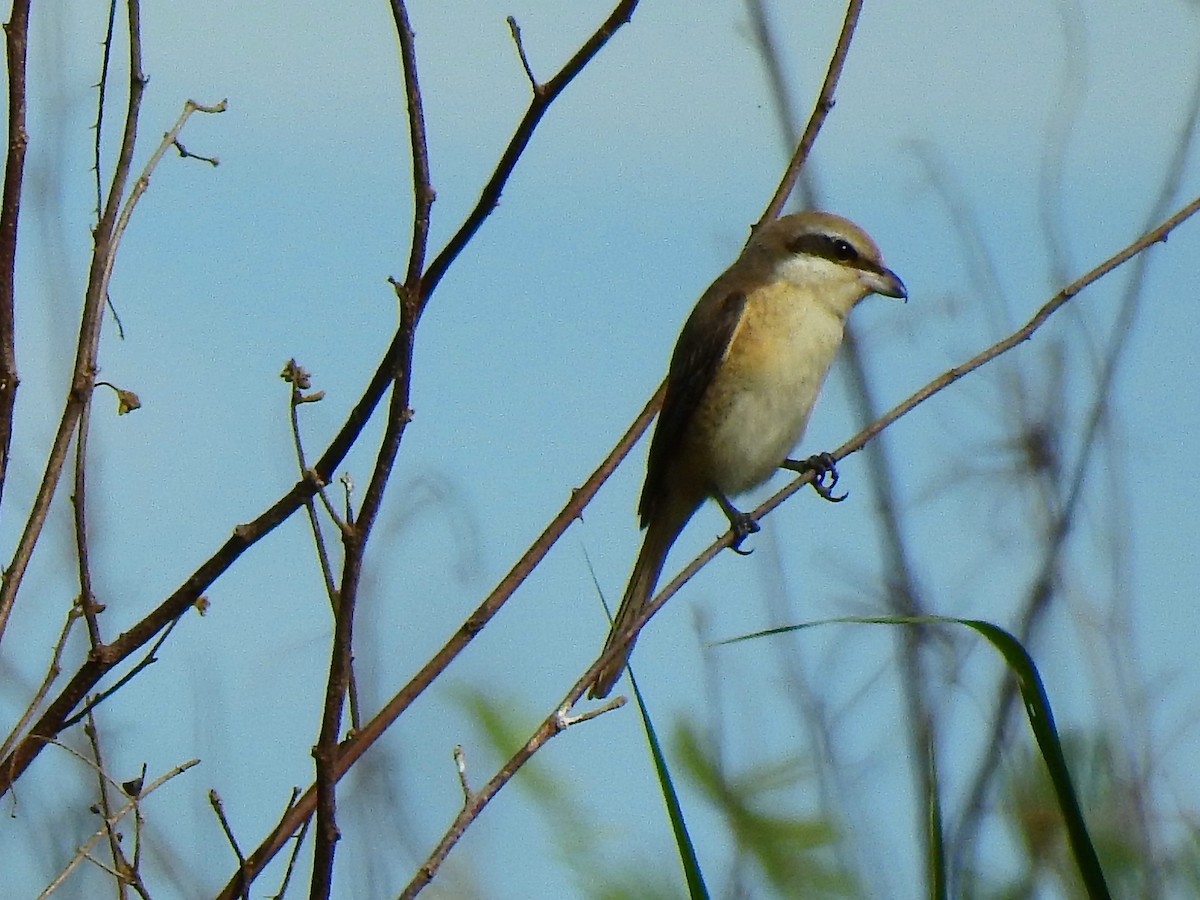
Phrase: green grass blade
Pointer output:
(1041, 721)
(697, 890)
(937, 846)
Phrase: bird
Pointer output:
(746, 371)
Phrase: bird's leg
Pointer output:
(741, 524)
(825, 474)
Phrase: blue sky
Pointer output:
(538, 349)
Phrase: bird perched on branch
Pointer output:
(746, 371)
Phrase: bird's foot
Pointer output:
(741, 524)
(825, 474)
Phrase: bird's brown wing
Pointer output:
(698, 355)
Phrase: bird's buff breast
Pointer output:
(758, 406)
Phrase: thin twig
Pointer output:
(52, 673)
(87, 598)
(144, 663)
(354, 747)
(423, 192)
(489, 197)
(355, 538)
(554, 724)
(83, 851)
(102, 101)
(291, 865)
(820, 111)
(515, 30)
(120, 864)
(214, 800)
(938, 384)
(108, 233)
(16, 35)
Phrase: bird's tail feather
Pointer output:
(660, 535)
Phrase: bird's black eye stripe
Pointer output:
(844, 251)
(835, 248)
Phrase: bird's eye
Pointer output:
(843, 250)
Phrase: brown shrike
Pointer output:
(744, 376)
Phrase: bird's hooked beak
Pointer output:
(883, 281)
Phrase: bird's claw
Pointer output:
(825, 475)
(742, 525)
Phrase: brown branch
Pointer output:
(145, 662)
(84, 372)
(356, 536)
(99, 664)
(423, 192)
(541, 100)
(214, 800)
(515, 30)
(301, 381)
(1043, 588)
(16, 38)
(52, 673)
(291, 863)
(556, 721)
(353, 749)
(820, 111)
(87, 597)
(82, 853)
(247, 535)
(396, 363)
(552, 726)
(326, 752)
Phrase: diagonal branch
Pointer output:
(246, 535)
(557, 720)
(939, 384)
(543, 95)
(820, 111)
(353, 749)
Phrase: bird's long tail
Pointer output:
(660, 535)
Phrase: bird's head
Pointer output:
(832, 255)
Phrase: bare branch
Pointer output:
(16, 35)
(354, 747)
(824, 104)
(82, 853)
(108, 234)
(423, 192)
(52, 673)
(939, 384)
(554, 724)
(515, 30)
(489, 197)
(214, 800)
